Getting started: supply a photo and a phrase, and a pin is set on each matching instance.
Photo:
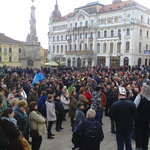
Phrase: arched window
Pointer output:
(91, 34)
(92, 23)
(57, 38)
(119, 32)
(120, 18)
(128, 31)
(105, 33)
(10, 50)
(126, 61)
(147, 33)
(128, 17)
(141, 18)
(99, 34)
(112, 33)
(19, 50)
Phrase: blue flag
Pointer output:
(37, 78)
(41, 75)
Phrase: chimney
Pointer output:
(117, 1)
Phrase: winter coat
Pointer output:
(72, 107)
(88, 96)
(65, 102)
(58, 106)
(22, 121)
(10, 97)
(103, 100)
(83, 99)
(12, 133)
(50, 108)
(37, 122)
(79, 116)
(33, 97)
(41, 101)
(4, 104)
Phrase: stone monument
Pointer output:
(31, 56)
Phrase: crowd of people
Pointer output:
(121, 93)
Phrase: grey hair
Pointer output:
(91, 113)
(145, 91)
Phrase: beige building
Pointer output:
(10, 51)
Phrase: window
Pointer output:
(62, 37)
(86, 23)
(61, 48)
(128, 17)
(65, 47)
(70, 47)
(118, 47)
(75, 37)
(54, 28)
(5, 51)
(112, 33)
(86, 35)
(146, 46)
(86, 47)
(99, 22)
(80, 47)
(76, 25)
(140, 32)
(19, 50)
(53, 48)
(141, 18)
(105, 33)
(57, 28)
(80, 24)
(57, 38)
(128, 31)
(91, 34)
(120, 18)
(70, 26)
(92, 23)
(80, 35)
(119, 32)
(98, 47)
(70, 36)
(10, 59)
(10, 50)
(66, 26)
(147, 33)
(75, 47)
(91, 46)
(145, 62)
(148, 21)
(62, 27)
(66, 37)
(19, 59)
(57, 48)
(98, 34)
(0, 58)
(53, 38)
(105, 47)
(111, 47)
(139, 47)
(127, 46)
(0, 49)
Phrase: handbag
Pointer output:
(24, 143)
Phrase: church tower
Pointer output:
(31, 58)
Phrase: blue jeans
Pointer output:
(98, 115)
(122, 139)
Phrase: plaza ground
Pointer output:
(62, 139)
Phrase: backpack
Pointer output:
(91, 137)
(4, 142)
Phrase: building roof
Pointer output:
(6, 39)
(91, 8)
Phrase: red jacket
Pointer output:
(103, 100)
(88, 97)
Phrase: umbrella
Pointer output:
(63, 63)
(51, 63)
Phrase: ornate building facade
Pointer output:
(103, 35)
(10, 51)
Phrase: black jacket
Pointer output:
(12, 133)
(123, 112)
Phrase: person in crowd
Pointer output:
(96, 103)
(18, 94)
(6, 92)
(142, 102)
(23, 93)
(27, 88)
(79, 115)
(123, 113)
(36, 122)
(4, 101)
(22, 117)
(14, 103)
(33, 96)
(72, 106)
(88, 96)
(51, 115)
(48, 91)
(71, 87)
(11, 95)
(65, 102)
(87, 142)
(41, 104)
(8, 124)
(59, 113)
(1, 104)
(66, 90)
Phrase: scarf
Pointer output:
(13, 120)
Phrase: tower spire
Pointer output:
(56, 6)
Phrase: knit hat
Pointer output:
(79, 104)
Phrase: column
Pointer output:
(108, 61)
(71, 62)
(88, 35)
(86, 62)
(94, 42)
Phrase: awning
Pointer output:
(51, 63)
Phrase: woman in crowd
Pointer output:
(65, 102)
(72, 106)
(8, 124)
(88, 96)
(14, 103)
(142, 121)
(51, 115)
(36, 122)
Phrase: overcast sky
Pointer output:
(15, 16)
